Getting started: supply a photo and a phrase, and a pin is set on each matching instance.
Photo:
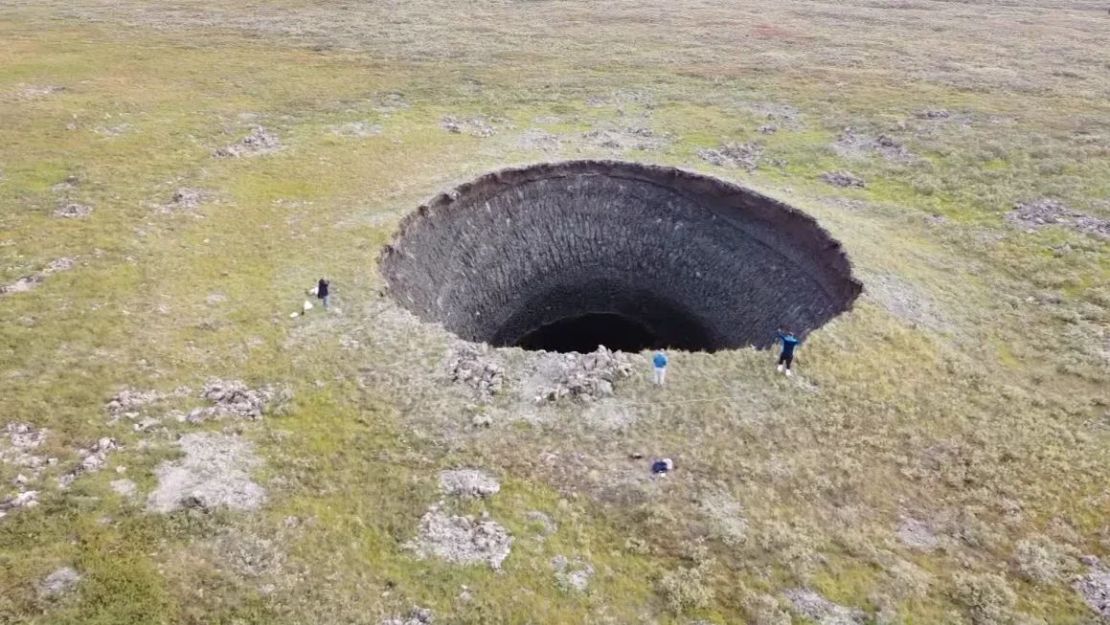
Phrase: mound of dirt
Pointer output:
(587, 377)
(842, 179)
(853, 144)
(260, 141)
(73, 210)
(820, 610)
(416, 616)
(472, 365)
(1045, 212)
(232, 398)
(468, 483)
(461, 539)
(215, 472)
(741, 155)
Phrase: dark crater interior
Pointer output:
(569, 256)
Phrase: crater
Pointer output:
(568, 256)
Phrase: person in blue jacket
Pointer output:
(659, 361)
(789, 344)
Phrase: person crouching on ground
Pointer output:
(789, 344)
(659, 361)
(322, 292)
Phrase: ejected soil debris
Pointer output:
(73, 210)
(472, 365)
(572, 574)
(917, 535)
(461, 539)
(35, 92)
(59, 583)
(813, 606)
(184, 199)
(933, 114)
(586, 377)
(467, 483)
(842, 179)
(1045, 212)
(93, 459)
(474, 126)
(536, 139)
(215, 472)
(357, 129)
(416, 616)
(1094, 587)
(27, 283)
(742, 155)
(625, 139)
(232, 398)
(22, 438)
(260, 141)
(853, 144)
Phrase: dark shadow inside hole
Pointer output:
(585, 333)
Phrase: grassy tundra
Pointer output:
(943, 456)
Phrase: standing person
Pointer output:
(789, 343)
(322, 292)
(659, 361)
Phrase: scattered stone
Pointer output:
(813, 606)
(184, 199)
(22, 499)
(260, 141)
(536, 139)
(356, 129)
(467, 483)
(416, 616)
(461, 539)
(469, 364)
(917, 535)
(852, 144)
(59, 583)
(215, 472)
(1043, 212)
(624, 139)
(73, 210)
(572, 575)
(742, 155)
(124, 488)
(129, 403)
(475, 127)
(232, 398)
(933, 114)
(587, 376)
(1095, 589)
(842, 179)
(27, 283)
(93, 460)
(22, 438)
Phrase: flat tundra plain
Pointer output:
(175, 447)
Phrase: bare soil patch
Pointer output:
(215, 472)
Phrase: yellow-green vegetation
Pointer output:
(964, 400)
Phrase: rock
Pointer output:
(23, 499)
(467, 483)
(572, 575)
(1095, 590)
(813, 606)
(742, 155)
(260, 141)
(461, 540)
(73, 210)
(215, 472)
(842, 179)
(587, 377)
(473, 366)
(233, 398)
(61, 582)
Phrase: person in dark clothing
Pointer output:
(789, 344)
(322, 292)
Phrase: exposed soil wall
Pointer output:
(701, 263)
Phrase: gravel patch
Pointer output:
(468, 483)
(461, 540)
(215, 472)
